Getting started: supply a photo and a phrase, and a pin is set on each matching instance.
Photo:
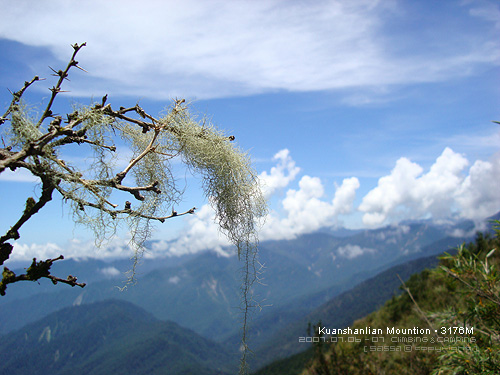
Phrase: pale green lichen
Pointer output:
(228, 180)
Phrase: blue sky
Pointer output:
(357, 113)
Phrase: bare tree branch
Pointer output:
(36, 271)
(62, 76)
(36, 143)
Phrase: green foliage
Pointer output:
(290, 366)
(341, 311)
(474, 268)
(464, 291)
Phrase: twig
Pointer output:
(420, 312)
(62, 75)
(36, 271)
(16, 97)
(31, 208)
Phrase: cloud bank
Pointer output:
(75, 248)
(444, 191)
(447, 190)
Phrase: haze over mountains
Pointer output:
(308, 278)
(110, 337)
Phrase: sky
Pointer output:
(357, 114)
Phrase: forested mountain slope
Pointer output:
(462, 292)
(110, 337)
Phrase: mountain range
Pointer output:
(305, 279)
(110, 337)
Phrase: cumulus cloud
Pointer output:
(280, 175)
(478, 195)
(207, 49)
(444, 191)
(306, 209)
(201, 233)
(40, 251)
(344, 196)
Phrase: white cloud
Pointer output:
(39, 251)
(445, 190)
(202, 233)
(206, 49)
(174, 280)
(391, 191)
(392, 234)
(280, 175)
(353, 251)
(478, 195)
(489, 12)
(110, 272)
(489, 141)
(19, 175)
(115, 248)
(442, 192)
(306, 210)
(344, 196)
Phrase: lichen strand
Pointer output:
(232, 187)
(229, 181)
(153, 168)
(23, 128)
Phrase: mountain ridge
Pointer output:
(109, 336)
(202, 292)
